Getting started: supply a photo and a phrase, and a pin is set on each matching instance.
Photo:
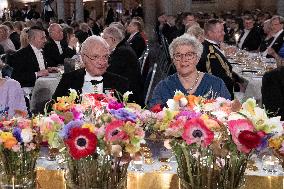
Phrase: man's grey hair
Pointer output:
(277, 17)
(195, 31)
(92, 41)
(119, 26)
(186, 40)
(114, 32)
(52, 26)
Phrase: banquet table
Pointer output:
(153, 177)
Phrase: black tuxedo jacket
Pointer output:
(273, 91)
(52, 55)
(97, 29)
(75, 80)
(215, 65)
(138, 44)
(123, 61)
(253, 40)
(24, 64)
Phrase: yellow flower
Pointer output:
(90, 126)
(129, 128)
(5, 136)
(275, 142)
(130, 148)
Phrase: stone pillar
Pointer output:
(79, 10)
(280, 7)
(149, 17)
(60, 9)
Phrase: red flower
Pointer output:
(195, 131)
(99, 97)
(81, 142)
(114, 132)
(249, 139)
(157, 108)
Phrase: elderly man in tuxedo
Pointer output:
(93, 78)
(54, 50)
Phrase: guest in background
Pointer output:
(54, 50)
(273, 92)
(83, 33)
(11, 95)
(98, 25)
(24, 39)
(93, 78)
(267, 36)
(135, 39)
(13, 35)
(123, 61)
(5, 41)
(28, 63)
(251, 36)
(197, 32)
(212, 60)
(185, 52)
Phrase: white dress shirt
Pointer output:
(242, 40)
(39, 57)
(89, 88)
(59, 46)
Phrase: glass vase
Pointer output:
(96, 172)
(18, 168)
(200, 168)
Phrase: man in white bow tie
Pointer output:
(93, 78)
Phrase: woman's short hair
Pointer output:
(195, 31)
(114, 32)
(186, 40)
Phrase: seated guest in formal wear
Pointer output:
(135, 39)
(277, 23)
(185, 52)
(123, 61)
(13, 35)
(273, 92)
(28, 63)
(250, 37)
(98, 25)
(11, 95)
(82, 34)
(54, 50)
(5, 41)
(93, 78)
(267, 36)
(69, 38)
(213, 60)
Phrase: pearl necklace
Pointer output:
(195, 83)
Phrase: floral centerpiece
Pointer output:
(19, 149)
(212, 139)
(97, 137)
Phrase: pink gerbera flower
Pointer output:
(195, 131)
(238, 126)
(114, 133)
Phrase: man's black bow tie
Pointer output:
(95, 82)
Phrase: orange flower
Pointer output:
(10, 142)
(192, 100)
(177, 97)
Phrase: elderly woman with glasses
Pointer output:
(185, 52)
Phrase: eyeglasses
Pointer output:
(187, 56)
(97, 57)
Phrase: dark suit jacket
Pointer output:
(138, 44)
(252, 40)
(123, 61)
(75, 80)
(52, 55)
(216, 68)
(24, 64)
(97, 29)
(15, 38)
(273, 91)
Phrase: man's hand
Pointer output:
(42, 73)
